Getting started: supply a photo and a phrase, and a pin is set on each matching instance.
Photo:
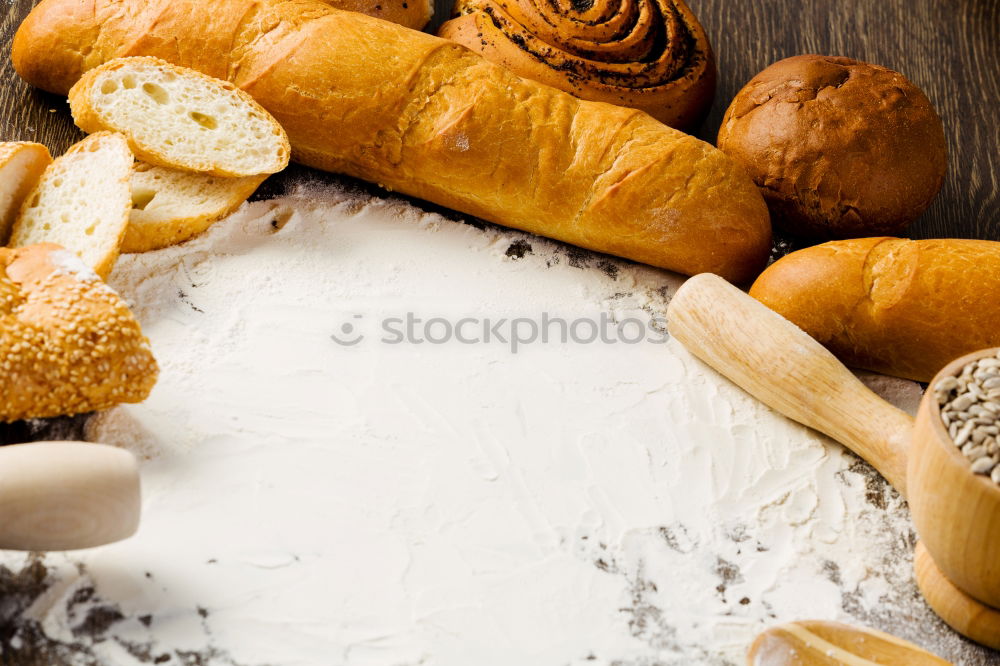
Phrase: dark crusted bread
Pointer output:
(839, 148)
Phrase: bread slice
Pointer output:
(180, 118)
(82, 202)
(68, 343)
(170, 206)
(21, 165)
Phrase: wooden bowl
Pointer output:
(956, 512)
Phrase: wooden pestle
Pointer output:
(779, 364)
(66, 495)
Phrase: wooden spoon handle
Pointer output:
(66, 495)
(818, 643)
(776, 362)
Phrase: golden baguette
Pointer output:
(899, 307)
(431, 119)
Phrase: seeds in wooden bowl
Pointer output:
(970, 410)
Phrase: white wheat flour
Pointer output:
(456, 504)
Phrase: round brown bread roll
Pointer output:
(839, 148)
(652, 56)
(900, 307)
(68, 343)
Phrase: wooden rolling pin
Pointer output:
(819, 643)
(66, 495)
(957, 513)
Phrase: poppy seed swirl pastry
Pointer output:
(651, 55)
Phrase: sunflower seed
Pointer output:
(983, 465)
(945, 385)
(964, 433)
(976, 453)
(962, 402)
(996, 474)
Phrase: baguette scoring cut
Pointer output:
(68, 342)
(177, 117)
(81, 202)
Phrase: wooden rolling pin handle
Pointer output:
(66, 495)
(780, 365)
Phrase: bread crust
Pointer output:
(840, 148)
(431, 119)
(34, 158)
(68, 343)
(900, 307)
(655, 57)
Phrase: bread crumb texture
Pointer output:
(68, 342)
(170, 206)
(81, 202)
(177, 117)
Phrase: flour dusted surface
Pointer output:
(314, 502)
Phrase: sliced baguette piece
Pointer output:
(177, 117)
(68, 342)
(21, 165)
(170, 206)
(82, 202)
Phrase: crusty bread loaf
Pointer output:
(657, 60)
(429, 118)
(170, 206)
(899, 307)
(179, 118)
(68, 343)
(21, 165)
(81, 202)
(840, 148)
